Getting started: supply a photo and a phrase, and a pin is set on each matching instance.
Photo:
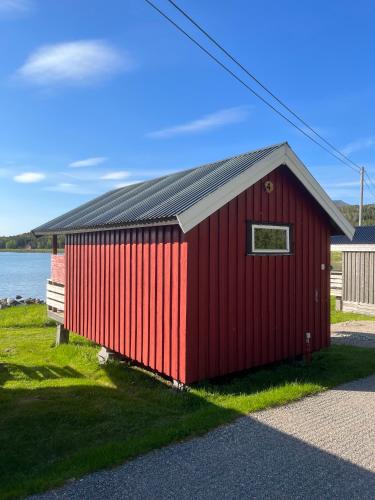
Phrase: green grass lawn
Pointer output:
(62, 415)
(336, 260)
(339, 316)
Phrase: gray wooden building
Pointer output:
(358, 270)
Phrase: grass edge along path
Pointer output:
(340, 316)
(63, 416)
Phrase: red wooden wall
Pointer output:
(58, 268)
(126, 290)
(243, 310)
(196, 306)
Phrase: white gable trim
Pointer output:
(281, 156)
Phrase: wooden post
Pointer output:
(362, 172)
(54, 244)
(338, 303)
(62, 335)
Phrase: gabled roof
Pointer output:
(364, 235)
(188, 197)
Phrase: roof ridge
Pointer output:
(223, 160)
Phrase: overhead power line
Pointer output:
(370, 184)
(331, 149)
(342, 158)
(264, 87)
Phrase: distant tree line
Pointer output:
(351, 213)
(28, 241)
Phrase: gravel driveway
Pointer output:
(358, 333)
(320, 447)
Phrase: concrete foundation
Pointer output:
(62, 335)
(105, 355)
(178, 386)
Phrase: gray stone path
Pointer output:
(322, 447)
(357, 333)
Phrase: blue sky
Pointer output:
(97, 94)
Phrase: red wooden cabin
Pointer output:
(204, 272)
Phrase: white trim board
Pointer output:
(356, 247)
(281, 156)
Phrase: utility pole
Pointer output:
(361, 196)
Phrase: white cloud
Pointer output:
(66, 187)
(15, 6)
(359, 145)
(82, 62)
(339, 185)
(88, 162)
(207, 122)
(29, 177)
(120, 174)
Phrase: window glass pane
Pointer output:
(270, 239)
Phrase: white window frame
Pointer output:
(267, 250)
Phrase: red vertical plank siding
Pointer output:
(127, 293)
(276, 302)
(126, 290)
(139, 318)
(203, 270)
(88, 288)
(240, 280)
(183, 369)
(232, 288)
(152, 328)
(116, 285)
(167, 301)
(67, 279)
(274, 270)
(288, 305)
(146, 297)
(112, 294)
(213, 296)
(253, 315)
(121, 331)
(159, 298)
(223, 290)
(175, 295)
(192, 342)
(101, 263)
(133, 294)
(290, 339)
(299, 242)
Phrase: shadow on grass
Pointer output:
(65, 432)
(13, 371)
(330, 367)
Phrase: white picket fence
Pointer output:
(55, 300)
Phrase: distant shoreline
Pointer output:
(32, 250)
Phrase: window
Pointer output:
(268, 239)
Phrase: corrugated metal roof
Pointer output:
(364, 235)
(154, 201)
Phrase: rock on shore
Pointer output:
(18, 300)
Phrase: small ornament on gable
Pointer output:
(268, 186)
